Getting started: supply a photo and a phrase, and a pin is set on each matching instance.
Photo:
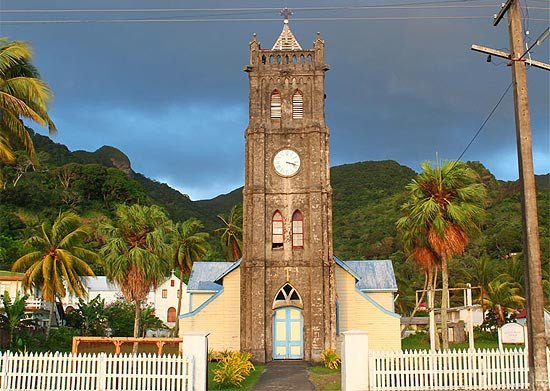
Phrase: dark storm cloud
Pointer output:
(174, 98)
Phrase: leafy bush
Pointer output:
(331, 359)
(217, 356)
(233, 368)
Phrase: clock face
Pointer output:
(286, 162)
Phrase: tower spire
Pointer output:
(287, 40)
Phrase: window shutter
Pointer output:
(297, 105)
(277, 228)
(297, 229)
(276, 104)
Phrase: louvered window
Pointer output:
(297, 105)
(297, 229)
(275, 104)
(277, 227)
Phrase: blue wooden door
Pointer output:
(288, 335)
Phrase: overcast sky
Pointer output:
(171, 93)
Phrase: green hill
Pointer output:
(366, 203)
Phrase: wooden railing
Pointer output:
(118, 341)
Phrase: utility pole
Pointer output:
(538, 372)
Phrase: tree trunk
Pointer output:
(427, 276)
(137, 321)
(178, 312)
(52, 309)
(444, 302)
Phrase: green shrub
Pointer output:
(331, 359)
(233, 368)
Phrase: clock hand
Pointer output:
(294, 164)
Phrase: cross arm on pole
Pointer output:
(501, 54)
(502, 12)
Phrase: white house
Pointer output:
(164, 299)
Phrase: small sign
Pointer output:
(512, 333)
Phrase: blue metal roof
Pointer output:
(205, 274)
(372, 275)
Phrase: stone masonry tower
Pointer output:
(287, 270)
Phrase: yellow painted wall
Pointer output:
(221, 317)
(198, 298)
(385, 299)
(357, 313)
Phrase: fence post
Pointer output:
(4, 371)
(195, 346)
(355, 361)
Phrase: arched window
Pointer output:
(275, 104)
(297, 230)
(287, 296)
(277, 228)
(171, 315)
(297, 105)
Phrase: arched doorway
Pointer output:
(288, 325)
(171, 315)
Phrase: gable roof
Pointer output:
(287, 40)
(99, 283)
(371, 275)
(204, 275)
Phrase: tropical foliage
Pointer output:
(331, 359)
(13, 313)
(233, 368)
(366, 203)
(445, 207)
(57, 259)
(189, 244)
(231, 233)
(136, 253)
(502, 299)
(23, 95)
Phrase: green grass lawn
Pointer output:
(325, 379)
(246, 385)
(421, 341)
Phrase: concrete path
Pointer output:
(285, 376)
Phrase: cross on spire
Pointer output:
(286, 13)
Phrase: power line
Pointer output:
(484, 123)
(197, 20)
(425, 4)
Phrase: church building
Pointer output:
(289, 297)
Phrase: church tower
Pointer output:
(287, 270)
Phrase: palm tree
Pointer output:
(58, 260)
(22, 95)
(136, 254)
(189, 244)
(480, 273)
(232, 232)
(503, 297)
(13, 312)
(445, 207)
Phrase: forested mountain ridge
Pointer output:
(366, 203)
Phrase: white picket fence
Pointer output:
(482, 369)
(94, 372)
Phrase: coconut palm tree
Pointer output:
(481, 272)
(444, 208)
(23, 95)
(136, 253)
(503, 297)
(189, 244)
(57, 261)
(232, 232)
